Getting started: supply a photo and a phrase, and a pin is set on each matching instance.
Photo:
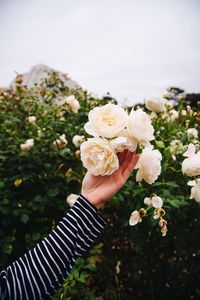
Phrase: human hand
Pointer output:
(99, 189)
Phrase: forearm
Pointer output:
(42, 270)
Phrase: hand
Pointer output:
(99, 189)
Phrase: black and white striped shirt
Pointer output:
(41, 271)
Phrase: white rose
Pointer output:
(107, 121)
(191, 165)
(183, 112)
(98, 157)
(157, 202)
(71, 199)
(61, 142)
(135, 218)
(155, 103)
(195, 191)
(27, 145)
(147, 201)
(122, 143)
(140, 127)
(149, 165)
(77, 140)
(153, 115)
(31, 119)
(193, 132)
(171, 115)
(73, 103)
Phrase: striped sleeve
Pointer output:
(41, 271)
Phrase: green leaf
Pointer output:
(7, 248)
(172, 184)
(53, 193)
(160, 144)
(2, 184)
(24, 218)
(91, 267)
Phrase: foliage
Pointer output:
(130, 262)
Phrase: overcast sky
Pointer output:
(130, 48)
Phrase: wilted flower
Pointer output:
(71, 199)
(158, 213)
(98, 157)
(77, 140)
(163, 225)
(149, 165)
(68, 172)
(106, 121)
(77, 153)
(135, 218)
(191, 165)
(61, 142)
(142, 212)
(73, 103)
(31, 119)
(195, 191)
(117, 268)
(155, 103)
(140, 127)
(27, 145)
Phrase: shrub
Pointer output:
(128, 262)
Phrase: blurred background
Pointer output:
(128, 48)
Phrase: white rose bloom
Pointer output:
(191, 165)
(149, 165)
(193, 132)
(153, 115)
(78, 140)
(61, 142)
(71, 199)
(107, 121)
(195, 191)
(155, 103)
(27, 145)
(122, 143)
(31, 119)
(73, 103)
(135, 218)
(147, 201)
(157, 202)
(140, 127)
(171, 116)
(98, 157)
(183, 112)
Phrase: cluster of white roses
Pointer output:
(158, 104)
(191, 168)
(156, 203)
(73, 105)
(71, 102)
(113, 131)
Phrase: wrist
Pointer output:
(93, 200)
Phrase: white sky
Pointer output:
(130, 48)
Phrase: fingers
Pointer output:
(128, 156)
(121, 156)
(131, 162)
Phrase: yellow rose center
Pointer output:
(110, 121)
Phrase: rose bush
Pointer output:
(156, 258)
